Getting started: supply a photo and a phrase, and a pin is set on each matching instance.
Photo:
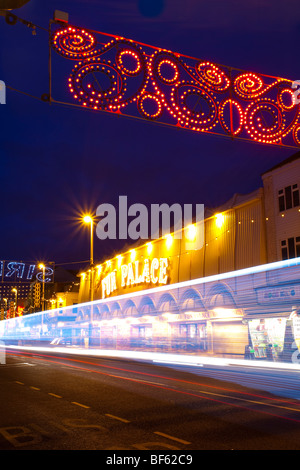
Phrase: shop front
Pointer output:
(267, 336)
(274, 325)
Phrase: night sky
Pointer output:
(58, 161)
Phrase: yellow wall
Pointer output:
(232, 241)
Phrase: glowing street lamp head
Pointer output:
(87, 219)
(41, 266)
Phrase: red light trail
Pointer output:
(217, 391)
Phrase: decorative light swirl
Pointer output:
(164, 67)
(154, 103)
(112, 75)
(230, 127)
(212, 77)
(86, 87)
(296, 134)
(256, 125)
(189, 115)
(250, 86)
(283, 94)
(74, 43)
(121, 58)
(88, 90)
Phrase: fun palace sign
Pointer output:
(149, 272)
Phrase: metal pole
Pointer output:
(92, 280)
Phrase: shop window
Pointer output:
(182, 330)
(296, 199)
(290, 248)
(145, 332)
(288, 197)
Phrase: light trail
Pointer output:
(199, 394)
(164, 358)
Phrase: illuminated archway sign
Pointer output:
(118, 75)
(149, 272)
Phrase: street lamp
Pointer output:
(16, 301)
(88, 220)
(43, 267)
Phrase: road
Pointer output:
(52, 401)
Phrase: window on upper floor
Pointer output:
(290, 248)
(288, 197)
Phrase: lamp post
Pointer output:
(42, 266)
(88, 220)
(16, 301)
(5, 300)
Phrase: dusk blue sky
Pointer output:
(56, 161)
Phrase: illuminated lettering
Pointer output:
(154, 267)
(150, 272)
(124, 272)
(163, 277)
(48, 275)
(146, 272)
(31, 271)
(15, 267)
(130, 275)
(109, 284)
(138, 278)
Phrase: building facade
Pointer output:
(234, 238)
(282, 208)
(236, 294)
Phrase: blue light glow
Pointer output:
(252, 314)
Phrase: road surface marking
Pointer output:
(117, 417)
(134, 380)
(171, 437)
(250, 401)
(54, 395)
(34, 388)
(20, 383)
(38, 428)
(80, 404)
